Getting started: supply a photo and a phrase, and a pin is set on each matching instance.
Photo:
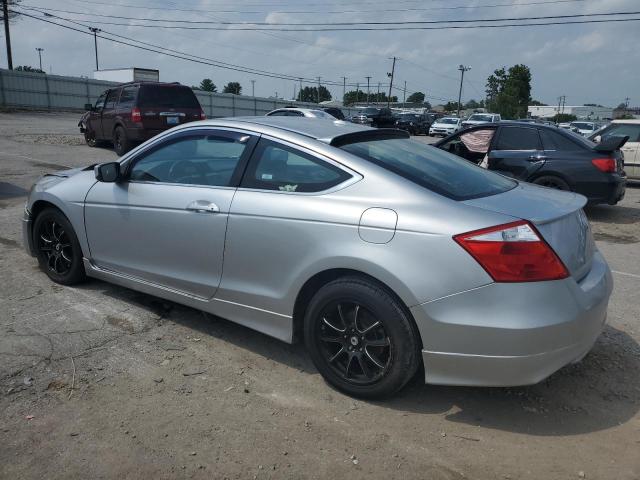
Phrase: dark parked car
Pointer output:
(376, 117)
(334, 112)
(545, 155)
(134, 112)
(414, 123)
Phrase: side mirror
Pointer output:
(107, 172)
(597, 138)
(88, 107)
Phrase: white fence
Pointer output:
(39, 91)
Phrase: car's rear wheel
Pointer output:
(121, 144)
(552, 181)
(58, 250)
(360, 338)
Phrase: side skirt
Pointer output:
(274, 324)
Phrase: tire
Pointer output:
(91, 141)
(121, 144)
(551, 181)
(58, 250)
(360, 338)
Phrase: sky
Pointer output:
(588, 63)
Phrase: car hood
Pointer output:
(69, 172)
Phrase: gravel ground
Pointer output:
(98, 381)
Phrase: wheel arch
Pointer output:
(550, 173)
(318, 280)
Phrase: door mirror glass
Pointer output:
(107, 172)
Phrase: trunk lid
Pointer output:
(558, 216)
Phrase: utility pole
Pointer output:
(344, 88)
(40, 50)
(393, 70)
(462, 69)
(368, 95)
(626, 103)
(318, 89)
(253, 88)
(404, 96)
(561, 103)
(300, 80)
(95, 42)
(378, 97)
(357, 92)
(7, 36)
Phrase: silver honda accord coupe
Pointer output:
(383, 254)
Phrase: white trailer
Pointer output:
(124, 75)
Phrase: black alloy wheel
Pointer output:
(354, 342)
(361, 338)
(57, 248)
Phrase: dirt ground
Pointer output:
(98, 381)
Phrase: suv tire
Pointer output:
(121, 144)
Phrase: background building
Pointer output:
(582, 112)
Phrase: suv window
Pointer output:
(282, 168)
(127, 97)
(206, 159)
(555, 141)
(100, 101)
(622, 130)
(518, 138)
(167, 96)
(111, 99)
(431, 168)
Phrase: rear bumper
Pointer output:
(610, 191)
(506, 334)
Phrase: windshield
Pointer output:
(431, 168)
(583, 126)
(448, 121)
(169, 96)
(481, 118)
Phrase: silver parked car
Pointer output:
(382, 253)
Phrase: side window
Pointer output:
(111, 99)
(207, 159)
(624, 129)
(279, 167)
(127, 97)
(100, 102)
(518, 138)
(294, 113)
(278, 113)
(555, 141)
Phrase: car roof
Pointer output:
(324, 130)
(627, 120)
(299, 109)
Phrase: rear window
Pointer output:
(166, 96)
(431, 168)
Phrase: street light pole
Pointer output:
(253, 88)
(404, 95)
(7, 36)
(95, 42)
(393, 70)
(462, 69)
(40, 50)
(368, 78)
(344, 88)
(318, 89)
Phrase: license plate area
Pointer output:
(173, 120)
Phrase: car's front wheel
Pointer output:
(58, 250)
(360, 338)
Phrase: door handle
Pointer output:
(203, 206)
(537, 158)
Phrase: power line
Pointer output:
(337, 24)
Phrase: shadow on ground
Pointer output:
(600, 392)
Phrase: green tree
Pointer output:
(208, 86)
(310, 94)
(416, 97)
(472, 104)
(509, 92)
(537, 103)
(354, 96)
(233, 87)
(451, 106)
(27, 68)
(564, 117)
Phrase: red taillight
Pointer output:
(513, 252)
(202, 115)
(136, 116)
(606, 165)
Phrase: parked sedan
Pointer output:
(375, 117)
(445, 126)
(545, 155)
(384, 254)
(480, 118)
(300, 112)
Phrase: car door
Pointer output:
(95, 116)
(107, 117)
(165, 221)
(516, 152)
